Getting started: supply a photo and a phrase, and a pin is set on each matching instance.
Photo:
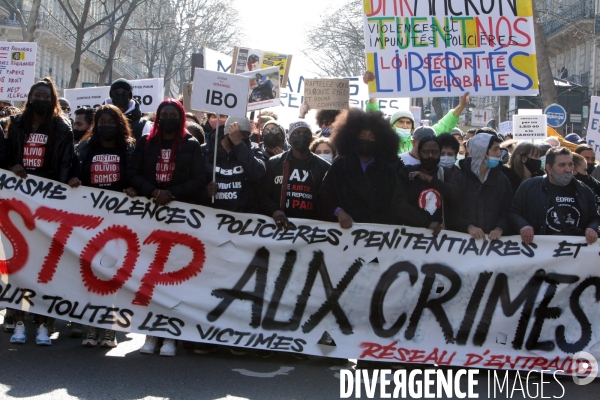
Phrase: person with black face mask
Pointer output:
(273, 139)
(293, 179)
(121, 95)
(555, 204)
(84, 116)
(582, 174)
(427, 189)
(102, 157)
(362, 184)
(38, 142)
(485, 193)
(524, 163)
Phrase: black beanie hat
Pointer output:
(121, 83)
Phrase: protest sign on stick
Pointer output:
(442, 48)
(529, 127)
(246, 60)
(593, 129)
(327, 94)
(17, 69)
(264, 88)
(147, 92)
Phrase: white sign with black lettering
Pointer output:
(148, 92)
(529, 127)
(219, 92)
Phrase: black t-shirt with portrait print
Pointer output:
(300, 191)
(564, 198)
(105, 168)
(38, 152)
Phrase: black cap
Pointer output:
(423, 132)
(121, 84)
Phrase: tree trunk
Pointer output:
(76, 58)
(504, 104)
(115, 43)
(546, 78)
(29, 30)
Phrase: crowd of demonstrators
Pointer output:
(359, 168)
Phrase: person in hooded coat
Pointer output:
(121, 95)
(273, 140)
(485, 192)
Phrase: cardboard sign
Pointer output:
(529, 127)
(264, 88)
(17, 69)
(423, 48)
(327, 94)
(195, 273)
(220, 93)
(246, 60)
(148, 92)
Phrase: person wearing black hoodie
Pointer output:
(121, 95)
(485, 192)
(240, 166)
(273, 139)
(293, 179)
(427, 189)
(362, 185)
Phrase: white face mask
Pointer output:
(447, 161)
(403, 133)
(326, 157)
(458, 158)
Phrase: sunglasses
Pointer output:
(268, 131)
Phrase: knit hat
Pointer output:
(402, 114)
(297, 125)
(277, 124)
(243, 122)
(423, 132)
(121, 83)
(64, 102)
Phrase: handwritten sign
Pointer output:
(327, 94)
(220, 93)
(246, 60)
(529, 127)
(17, 69)
(442, 48)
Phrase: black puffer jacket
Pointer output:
(15, 138)
(189, 178)
(484, 205)
(269, 191)
(369, 197)
(238, 172)
(530, 205)
(82, 150)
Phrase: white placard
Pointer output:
(529, 127)
(148, 92)
(505, 127)
(593, 129)
(221, 93)
(17, 69)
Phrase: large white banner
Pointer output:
(17, 69)
(445, 48)
(387, 293)
(148, 92)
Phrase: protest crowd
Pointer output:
(358, 167)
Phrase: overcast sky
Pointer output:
(280, 25)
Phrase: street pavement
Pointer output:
(66, 370)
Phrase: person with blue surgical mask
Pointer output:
(324, 148)
(450, 148)
(485, 193)
(403, 123)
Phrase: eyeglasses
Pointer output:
(268, 131)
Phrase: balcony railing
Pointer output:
(584, 79)
(46, 21)
(567, 15)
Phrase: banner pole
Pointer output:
(215, 153)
